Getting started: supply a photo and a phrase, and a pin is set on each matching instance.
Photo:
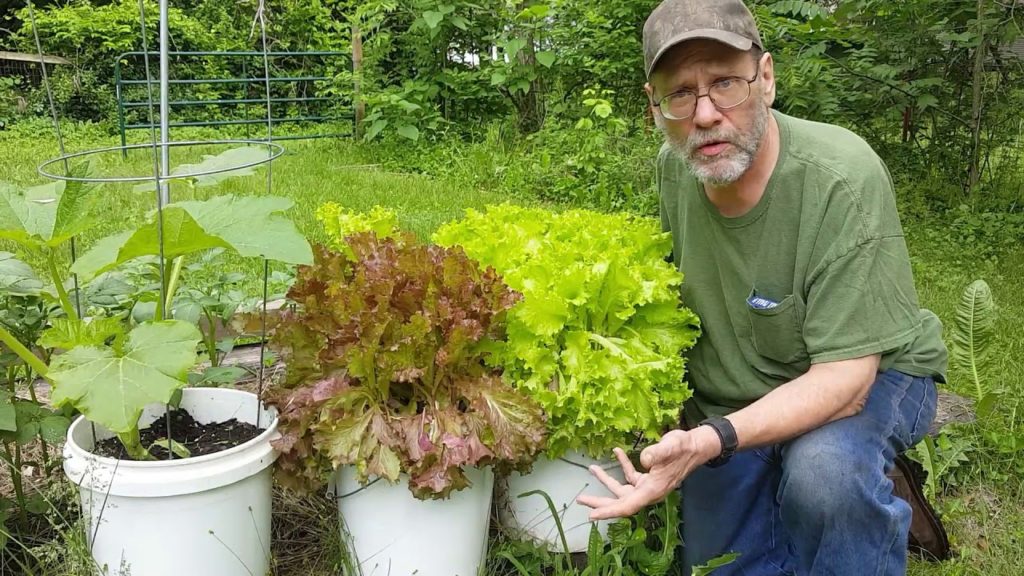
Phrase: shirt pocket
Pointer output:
(777, 333)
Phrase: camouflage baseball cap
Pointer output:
(675, 21)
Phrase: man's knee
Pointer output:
(823, 482)
(832, 473)
(836, 501)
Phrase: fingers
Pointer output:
(651, 455)
(656, 453)
(607, 508)
(632, 497)
(611, 483)
(620, 510)
(629, 471)
(592, 501)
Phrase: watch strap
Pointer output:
(727, 434)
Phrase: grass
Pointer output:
(310, 173)
(982, 499)
(982, 502)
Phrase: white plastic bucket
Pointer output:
(390, 533)
(203, 516)
(563, 480)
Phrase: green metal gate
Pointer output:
(234, 93)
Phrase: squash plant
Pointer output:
(385, 354)
(599, 335)
(22, 420)
(109, 369)
(42, 220)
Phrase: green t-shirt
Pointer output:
(817, 271)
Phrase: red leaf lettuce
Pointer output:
(386, 354)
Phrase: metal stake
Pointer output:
(161, 166)
(165, 108)
(270, 181)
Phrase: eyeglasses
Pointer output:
(724, 94)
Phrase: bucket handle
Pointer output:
(356, 491)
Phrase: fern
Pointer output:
(974, 332)
(798, 8)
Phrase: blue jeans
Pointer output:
(820, 504)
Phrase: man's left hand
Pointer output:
(668, 462)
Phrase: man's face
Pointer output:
(719, 146)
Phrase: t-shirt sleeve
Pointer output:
(862, 303)
(860, 297)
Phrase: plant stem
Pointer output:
(609, 345)
(22, 352)
(14, 462)
(163, 304)
(19, 486)
(978, 391)
(172, 282)
(210, 338)
(42, 441)
(58, 283)
(133, 444)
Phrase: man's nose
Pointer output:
(706, 114)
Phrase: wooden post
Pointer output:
(358, 107)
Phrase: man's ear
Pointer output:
(768, 79)
(650, 93)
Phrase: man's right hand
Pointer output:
(668, 463)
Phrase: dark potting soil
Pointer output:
(199, 439)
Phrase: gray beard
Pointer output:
(728, 167)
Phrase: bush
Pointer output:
(12, 103)
(597, 160)
(92, 37)
(77, 94)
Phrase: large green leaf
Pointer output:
(251, 226)
(17, 278)
(223, 161)
(546, 58)
(432, 18)
(409, 131)
(973, 331)
(513, 46)
(112, 387)
(46, 215)
(34, 420)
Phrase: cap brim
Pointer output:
(728, 38)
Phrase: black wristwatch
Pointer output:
(727, 434)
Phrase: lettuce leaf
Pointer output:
(598, 338)
(386, 353)
(340, 223)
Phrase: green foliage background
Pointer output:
(934, 85)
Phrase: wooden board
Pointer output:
(32, 58)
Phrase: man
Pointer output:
(816, 366)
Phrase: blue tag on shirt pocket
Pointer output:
(761, 303)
